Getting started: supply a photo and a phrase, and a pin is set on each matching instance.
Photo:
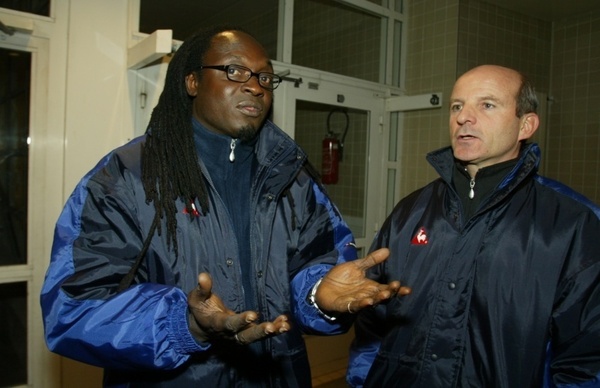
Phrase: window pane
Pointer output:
(259, 17)
(399, 5)
(336, 38)
(38, 7)
(15, 69)
(13, 334)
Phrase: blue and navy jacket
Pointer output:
(140, 335)
(508, 298)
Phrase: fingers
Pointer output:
(373, 258)
(237, 322)
(262, 330)
(386, 292)
(252, 334)
(209, 318)
(404, 290)
(393, 288)
(282, 321)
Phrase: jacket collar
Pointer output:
(442, 160)
(275, 146)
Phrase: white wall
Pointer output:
(98, 113)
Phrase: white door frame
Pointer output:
(46, 39)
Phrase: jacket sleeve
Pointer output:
(369, 326)
(365, 345)
(575, 331)
(326, 241)
(96, 240)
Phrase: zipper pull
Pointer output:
(232, 154)
(472, 186)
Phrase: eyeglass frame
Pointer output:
(225, 68)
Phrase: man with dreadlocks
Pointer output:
(198, 253)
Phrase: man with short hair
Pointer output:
(504, 264)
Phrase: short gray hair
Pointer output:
(527, 101)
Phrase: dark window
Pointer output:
(38, 7)
(15, 70)
(13, 334)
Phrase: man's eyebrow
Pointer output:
(482, 98)
(238, 59)
(489, 98)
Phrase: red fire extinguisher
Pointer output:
(330, 166)
(333, 149)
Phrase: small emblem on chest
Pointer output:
(194, 211)
(420, 238)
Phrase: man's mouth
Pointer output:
(250, 109)
(465, 134)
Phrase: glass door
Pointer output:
(316, 110)
(337, 143)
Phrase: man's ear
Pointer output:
(191, 84)
(529, 124)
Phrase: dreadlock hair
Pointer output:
(169, 161)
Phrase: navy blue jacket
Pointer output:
(508, 298)
(141, 336)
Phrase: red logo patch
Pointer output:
(195, 212)
(420, 238)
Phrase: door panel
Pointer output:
(349, 127)
(307, 109)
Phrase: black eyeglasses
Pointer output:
(237, 73)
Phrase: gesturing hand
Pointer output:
(209, 319)
(345, 289)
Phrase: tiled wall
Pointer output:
(490, 34)
(431, 67)
(574, 122)
(448, 37)
(263, 26)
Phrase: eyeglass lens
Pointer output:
(242, 74)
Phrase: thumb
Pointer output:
(374, 258)
(204, 289)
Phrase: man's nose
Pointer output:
(466, 114)
(253, 86)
